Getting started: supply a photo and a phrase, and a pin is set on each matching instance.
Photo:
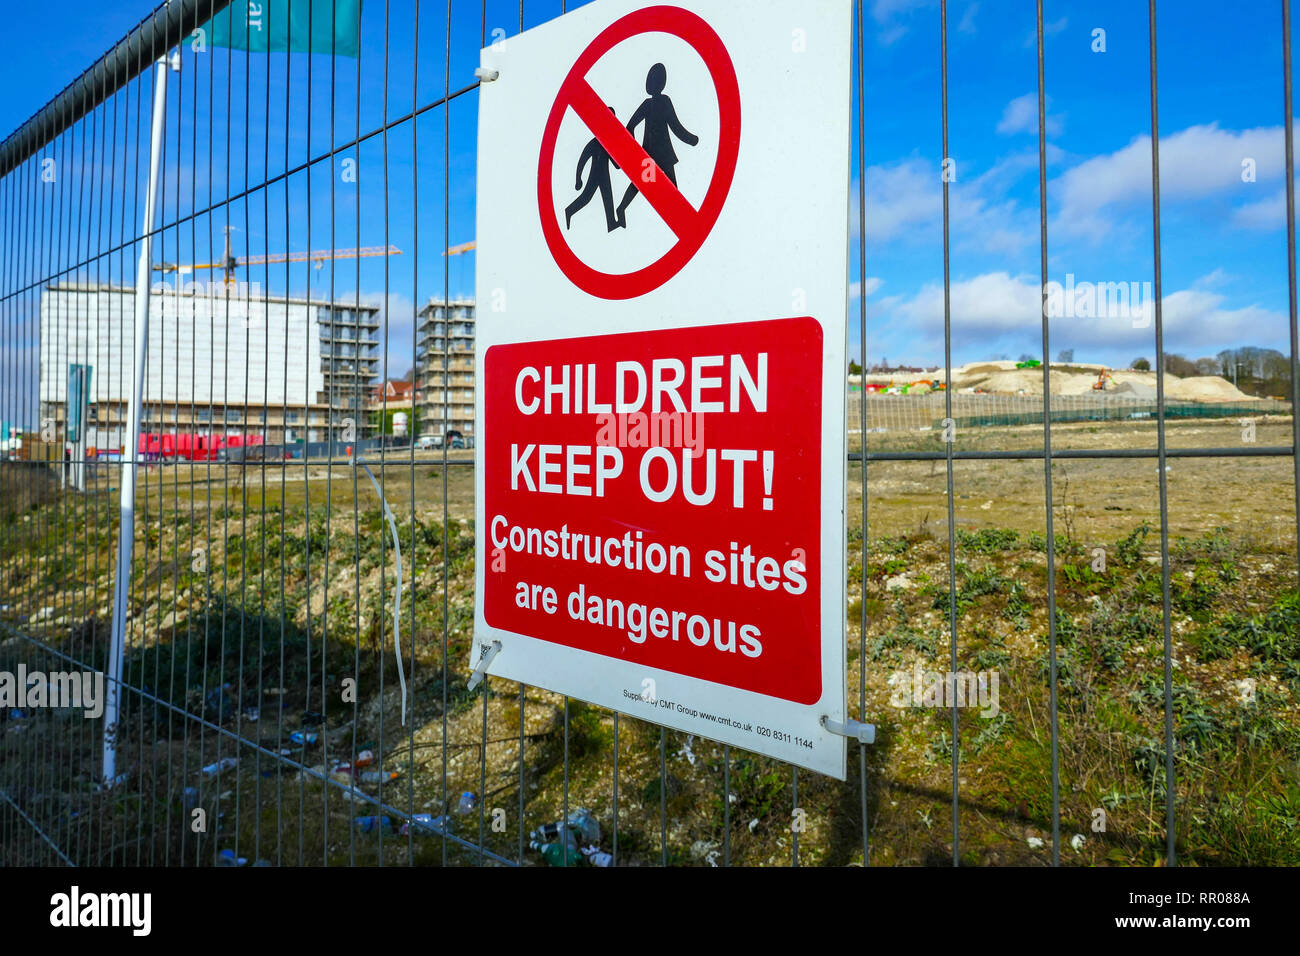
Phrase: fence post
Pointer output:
(126, 526)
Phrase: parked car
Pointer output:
(429, 441)
(458, 442)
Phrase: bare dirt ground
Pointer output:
(1254, 495)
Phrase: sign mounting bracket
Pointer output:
(863, 733)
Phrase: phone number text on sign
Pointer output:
(654, 497)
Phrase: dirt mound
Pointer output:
(1073, 383)
(1203, 388)
(1003, 378)
(1014, 382)
(1134, 389)
(982, 368)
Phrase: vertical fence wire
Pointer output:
(1047, 446)
(861, 70)
(1165, 571)
(446, 403)
(1289, 127)
(949, 436)
(415, 404)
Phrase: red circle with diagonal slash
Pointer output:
(691, 226)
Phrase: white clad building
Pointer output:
(284, 368)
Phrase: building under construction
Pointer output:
(232, 362)
(445, 380)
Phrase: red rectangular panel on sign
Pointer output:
(655, 497)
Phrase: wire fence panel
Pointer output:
(234, 615)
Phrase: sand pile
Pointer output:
(1003, 378)
(1142, 390)
(1074, 383)
(1204, 388)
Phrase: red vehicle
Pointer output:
(154, 446)
(198, 447)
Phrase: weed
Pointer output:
(1129, 549)
(988, 540)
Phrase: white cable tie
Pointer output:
(397, 594)
(489, 652)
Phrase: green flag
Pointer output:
(293, 26)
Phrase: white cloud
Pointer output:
(869, 288)
(1198, 317)
(1049, 30)
(905, 200)
(967, 24)
(1197, 162)
(1211, 279)
(1268, 213)
(889, 13)
(398, 316)
(900, 197)
(888, 36)
(999, 307)
(885, 10)
(987, 305)
(1021, 116)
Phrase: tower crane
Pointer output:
(229, 262)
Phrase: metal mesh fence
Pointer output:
(301, 574)
(922, 413)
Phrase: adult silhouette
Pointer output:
(661, 124)
(600, 161)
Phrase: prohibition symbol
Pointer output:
(689, 225)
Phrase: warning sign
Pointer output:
(680, 531)
(650, 168)
(662, 288)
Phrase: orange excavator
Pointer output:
(1104, 378)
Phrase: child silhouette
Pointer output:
(661, 123)
(600, 161)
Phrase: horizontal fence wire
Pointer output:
(268, 712)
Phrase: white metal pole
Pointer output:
(126, 527)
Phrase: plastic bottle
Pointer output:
(219, 703)
(554, 854)
(225, 763)
(369, 825)
(468, 801)
(597, 857)
(304, 738)
(582, 825)
(379, 776)
(585, 826)
(545, 833)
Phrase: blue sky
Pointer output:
(1224, 250)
